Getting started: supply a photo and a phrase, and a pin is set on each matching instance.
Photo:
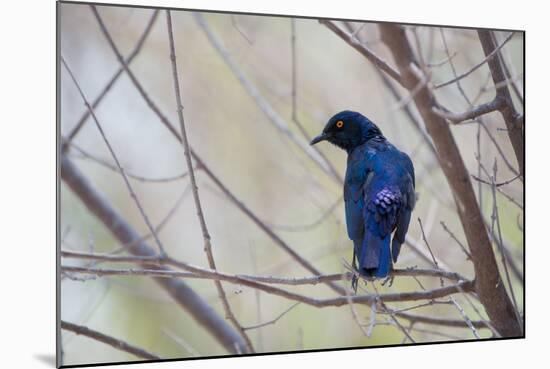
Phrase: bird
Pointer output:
(379, 192)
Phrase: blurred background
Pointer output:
(270, 174)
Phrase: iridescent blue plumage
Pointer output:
(378, 191)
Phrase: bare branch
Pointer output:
(420, 251)
(442, 62)
(108, 340)
(111, 82)
(508, 111)
(488, 58)
(462, 247)
(365, 51)
(197, 272)
(262, 103)
(489, 286)
(143, 238)
(459, 323)
(386, 310)
(239, 30)
(466, 318)
(495, 184)
(429, 248)
(500, 150)
(112, 152)
(188, 299)
(112, 167)
(471, 113)
(496, 219)
(510, 72)
(406, 108)
(272, 321)
(181, 342)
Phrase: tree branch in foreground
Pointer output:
(108, 340)
(188, 299)
(259, 282)
(199, 272)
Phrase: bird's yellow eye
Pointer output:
(340, 124)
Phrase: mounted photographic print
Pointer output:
(240, 184)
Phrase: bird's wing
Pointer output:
(407, 163)
(408, 199)
(382, 208)
(358, 175)
(353, 197)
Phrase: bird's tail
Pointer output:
(374, 258)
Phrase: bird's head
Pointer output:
(347, 130)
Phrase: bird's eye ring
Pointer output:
(340, 124)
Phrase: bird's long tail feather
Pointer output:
(374, 256)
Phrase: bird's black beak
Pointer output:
(322, 137)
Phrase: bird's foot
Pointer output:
(388, 279)
(354, 281)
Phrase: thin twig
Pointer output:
(466, 318)
(479, 120)
(458, 323)
(274, 320)
(478, 65)
(496, 184)
(459, 308)
(496, 218)
(239, 30)
(294, 113)
(372, 321)
(115, 158)
(442, 62)
(511, 117)
(262, 103)
(111, 82)
(462, 247)
(505, 61)
(158, 229)
(210, 274)
(112, 167)
(257, 295)
(179, 291)
(181, 342)
(406, 108)
(205, 234)
(393, 317)
(500, 150)
(420, 251)
(365, 51)
(354, 313)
